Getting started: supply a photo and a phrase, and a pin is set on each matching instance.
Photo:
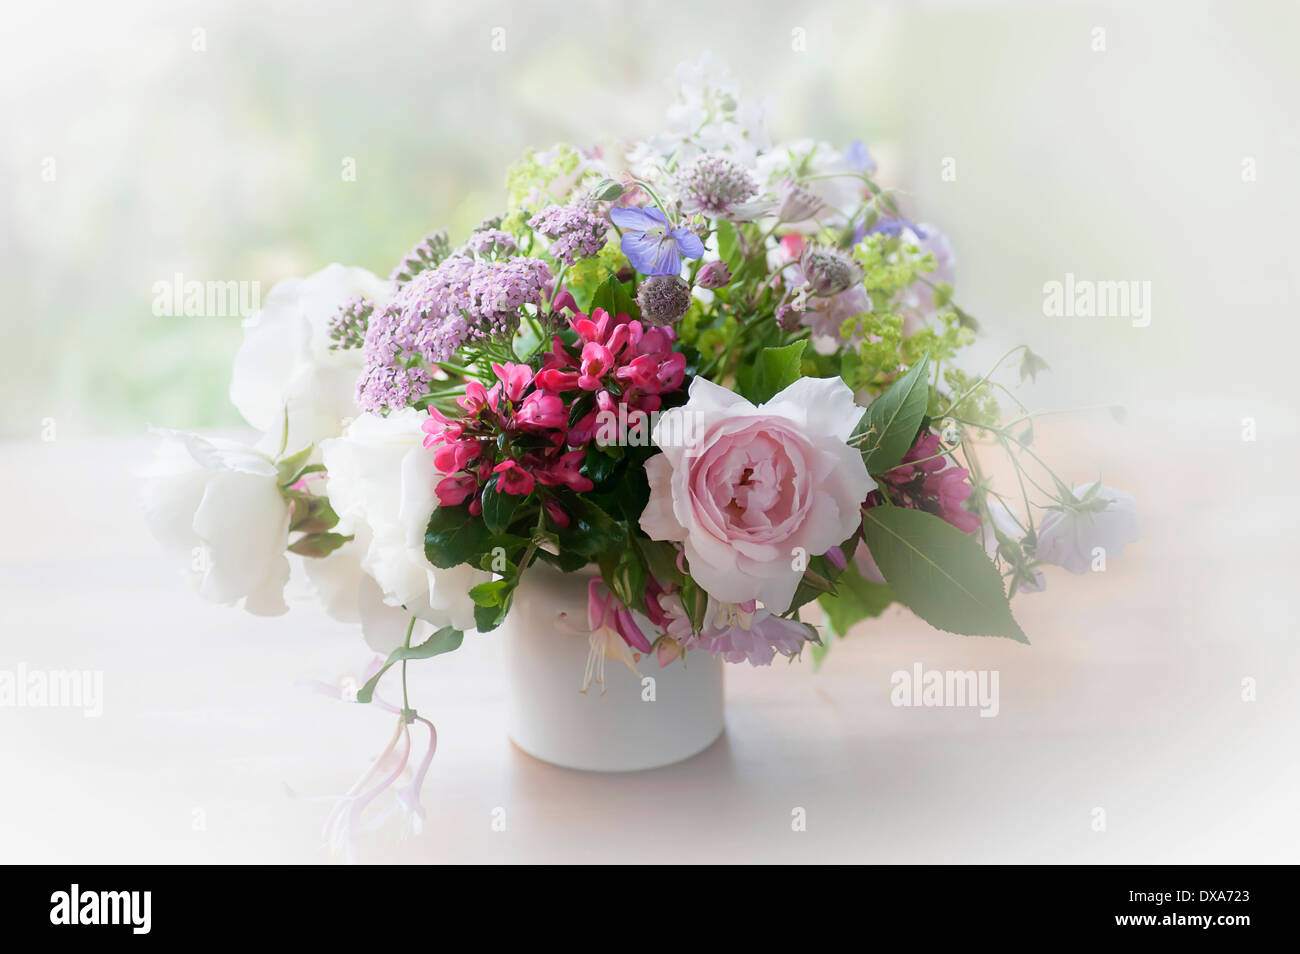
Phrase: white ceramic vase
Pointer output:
(632, 725)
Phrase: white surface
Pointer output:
(1128, 700)
(609, 729)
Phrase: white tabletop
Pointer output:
(1129, 700)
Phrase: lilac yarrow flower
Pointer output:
(461, 301)
(651, 244)
(427, 254)
(489, 243)
(347, 329)
(574, 232)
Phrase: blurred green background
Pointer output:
(209, 139)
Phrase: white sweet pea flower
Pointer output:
(380, 481)
(286, 370)
(217, 505)
(1102, 518)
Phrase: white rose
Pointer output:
(1106, 520)
(286, 366)
(380, 479)
(217, 505)
(351, 595)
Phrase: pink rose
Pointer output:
(751, 492)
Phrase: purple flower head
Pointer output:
(574, 232)
(651, 245)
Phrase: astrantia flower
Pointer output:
(574, 232)
(651, 244)
(713, 275)
(828, 271)
(716, 185)
(1100, 518)
(663, 299)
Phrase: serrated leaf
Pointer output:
(941, 574)
(892, 420)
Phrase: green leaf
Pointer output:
(614, 297)
(498, 508)
(490, 593)
(454, 537)
(854, 600)
(940, 573)
(893, 419)
(591, 531)
(444, 640)
(625, 575)
(318, 544)
(311, 514)
(287, 468)
(606, 190)
(488, 618)
(775, 370)
(728, 246)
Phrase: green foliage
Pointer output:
(454, 537)
(775, 370)
(854, 600)
(892, 420)
(940, 573)
(444, 640)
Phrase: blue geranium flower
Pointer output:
(651, 245)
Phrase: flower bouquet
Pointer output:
(723, 373)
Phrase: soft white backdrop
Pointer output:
(1118, 164)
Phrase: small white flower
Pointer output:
(217, 505)
(1101, 518)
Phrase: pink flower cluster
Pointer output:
(513, 430)
(617, 359)
(925, 481)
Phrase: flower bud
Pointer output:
(663, 299)
(714, 275)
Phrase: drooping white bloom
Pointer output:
(286, 368)
(1100, 524)
(381, 481)
(217, 505)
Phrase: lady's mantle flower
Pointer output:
(651, 245)
(574, 232)
(1099, 518)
